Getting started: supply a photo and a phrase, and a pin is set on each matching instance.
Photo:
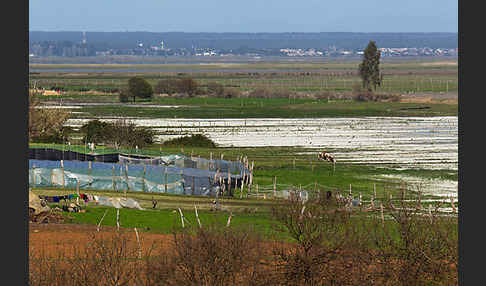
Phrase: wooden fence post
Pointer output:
(113, 177)
(33, 175)
(197, 216)
(275, 186)
(382, 215)
(166, 179)
(118, 219)
(99, 224)
(62, 171)
(229, 220)
(126, 177)
(139, 246)
(89, 168)
(183, 181)
(193, 184)
(242, 183)
(229, 181)
(182, 217)
(143, 178)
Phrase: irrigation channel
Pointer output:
(392, 142)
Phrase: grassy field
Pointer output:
(399, 76)
(245, 213)
(307, 90)
(268, 108)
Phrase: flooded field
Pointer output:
(393, 142)
(425, 142)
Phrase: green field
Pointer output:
(269, 108)
(296, 90)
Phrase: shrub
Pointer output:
(215, 88)
(320, 232)
(183, 86)
(121, 133)
(139, 87)
(417, 248)
(168, 86)
(187, 85)
(195, 140)
(124, 133)
(262, 92)
(94, 131)
(370, 96)
(105, 261)
(365, 96)
(217, 256)
(124, 95)
(326, 95)
(231, 92)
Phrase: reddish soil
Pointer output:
(65, 239)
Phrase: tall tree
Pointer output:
(369, 69)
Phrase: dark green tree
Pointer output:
(139, 87)
(369, 69)
(94, 131)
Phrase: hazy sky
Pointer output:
(244, 15)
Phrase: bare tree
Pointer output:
(44, 122)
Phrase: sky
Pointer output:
(244, 16)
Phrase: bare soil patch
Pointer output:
(65, 240)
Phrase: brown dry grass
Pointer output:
(428, 100)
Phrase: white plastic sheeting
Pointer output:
(119, 203)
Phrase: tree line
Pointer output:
(369, 71)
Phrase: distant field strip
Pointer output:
(399, 76)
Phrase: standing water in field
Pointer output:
(404, 142)
(397, 142)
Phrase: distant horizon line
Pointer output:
(87, 31)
